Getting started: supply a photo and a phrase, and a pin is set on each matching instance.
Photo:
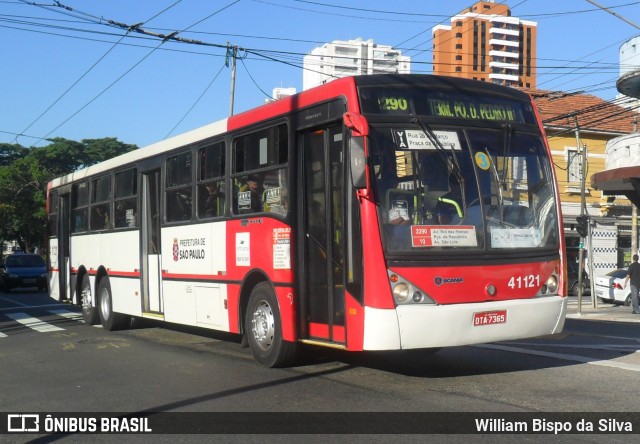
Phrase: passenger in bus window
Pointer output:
(100, 218)
(250, 195)
(213, 200)
(124, 216)
(80, 220)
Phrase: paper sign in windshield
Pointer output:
(418, 140)
(443, 236)
(515, 237)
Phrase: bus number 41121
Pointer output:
(529, 281)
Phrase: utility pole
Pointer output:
(634, 230)
(581, 218)
(232, 53)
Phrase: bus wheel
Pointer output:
(110, 321)
(89, 312)
(263, 328)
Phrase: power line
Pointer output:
(133, 28)
(196, 102)
(69, 89)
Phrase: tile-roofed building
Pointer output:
(598, 121)
(558, 110)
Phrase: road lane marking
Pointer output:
(35, 306)
(67, 314)
(33, 323)
(2, 335)
(565, 357)
(631, 348)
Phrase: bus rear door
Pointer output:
(64, 265)
(151, 260)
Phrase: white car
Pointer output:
(609, 288)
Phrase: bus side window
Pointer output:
(79, 207)
(178, 184)
(260, 175)
(126, 204)
(179, 205)
(211, 189)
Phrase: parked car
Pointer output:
(23, 270)
(572, 276)
(609, 288)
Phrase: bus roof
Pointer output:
(344, 87)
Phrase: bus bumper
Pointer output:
(427, 326)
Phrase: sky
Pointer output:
(71, 69)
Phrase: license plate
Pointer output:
(489, 318)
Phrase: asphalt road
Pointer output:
(51, 362)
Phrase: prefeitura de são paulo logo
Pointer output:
(176, 250)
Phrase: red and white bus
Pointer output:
(383, 212)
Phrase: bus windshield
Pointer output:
(449, 189)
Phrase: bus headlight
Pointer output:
(404, 292)
(401, 293)
(552, 284)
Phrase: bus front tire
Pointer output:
(89, 311)
(110, 321)
(263, 328)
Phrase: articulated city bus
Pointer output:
(383, 212)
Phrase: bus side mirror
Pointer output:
(358, 162)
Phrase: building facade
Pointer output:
(485, 43)
(342, 58)
(573, 122)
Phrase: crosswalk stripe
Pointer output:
(67, 314)
(33, 323)
(2, 335)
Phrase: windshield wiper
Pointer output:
(497, 178)
(451, 163)
(506, 151)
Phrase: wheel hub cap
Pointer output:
(262, 325)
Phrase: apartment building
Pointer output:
(484, 42)
(342, 58)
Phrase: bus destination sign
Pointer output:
(464, 109)
(452, 106)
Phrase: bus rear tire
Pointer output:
(263, 328)
(110, 321)
(89, 311)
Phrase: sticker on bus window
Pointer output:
(244, 200)
(443, 236)
(282, 248)
(272, 196)
(418, 140)
(243, 250)
(482, 160)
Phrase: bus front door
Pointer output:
(151, 260)
(322, 229)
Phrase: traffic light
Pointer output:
(583, 226)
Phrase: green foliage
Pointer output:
(25, 173)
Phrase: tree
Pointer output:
(25, 173)
(9, 153)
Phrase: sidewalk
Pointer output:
(603, 311)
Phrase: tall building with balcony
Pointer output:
(484, 42)
(342, 58)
